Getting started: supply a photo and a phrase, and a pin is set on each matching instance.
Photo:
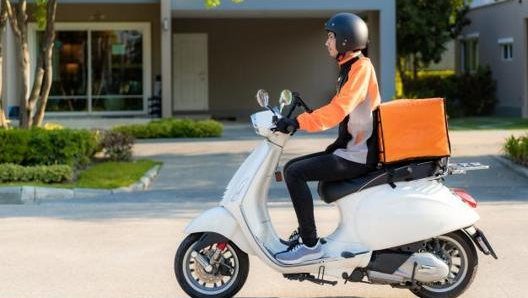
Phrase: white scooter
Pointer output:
(398, 226)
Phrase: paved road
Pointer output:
(122, 246)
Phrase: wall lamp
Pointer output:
(165, 24)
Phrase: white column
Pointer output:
(3, 74)
(387, 48)
(166, 58)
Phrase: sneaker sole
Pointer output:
(305, 258)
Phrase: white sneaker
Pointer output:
(300, 253)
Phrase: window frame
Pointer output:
(506, 48)
(143, 27)
(472, 65)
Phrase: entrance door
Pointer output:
(190, 77)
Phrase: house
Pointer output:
(111, 56)
(498, 37)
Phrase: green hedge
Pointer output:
(466, 94)
(46, 174)
(173, 128)
(516, 148)
(31, 147)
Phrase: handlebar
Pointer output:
(298, 102)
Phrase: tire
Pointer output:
(458, 251)
(198, 283)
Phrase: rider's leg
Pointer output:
(315, 167)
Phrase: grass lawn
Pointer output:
(104, 175)
(108, 175)
(483, 123)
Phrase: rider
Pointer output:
(354, 153)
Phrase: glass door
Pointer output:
(69, 89)
(117, 70)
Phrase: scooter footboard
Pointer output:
(219, 220)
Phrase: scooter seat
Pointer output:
(331, 191)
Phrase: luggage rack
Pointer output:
(463, 167)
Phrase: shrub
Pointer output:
(476, 92)
(436, 86)
(517, 149)
(466, 94)
(47, 174)
(13, 147)
(173, 128)
(30, 147)
(117, 146)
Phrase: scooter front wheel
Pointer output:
(216, 271)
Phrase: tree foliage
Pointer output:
(215, 3)
(423, 27)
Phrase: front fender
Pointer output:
(219, 220)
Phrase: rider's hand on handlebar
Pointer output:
(287, 125)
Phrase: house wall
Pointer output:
(290, 51)
(493, 22)
(249, 54)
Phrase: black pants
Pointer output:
(321, 166)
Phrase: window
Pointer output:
(100, 68)
(506, 48)
(470, 54)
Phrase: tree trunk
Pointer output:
(415, 67)
(402, 68)
(25, 108)
(47, 65)
(18, 20)
(3, 23)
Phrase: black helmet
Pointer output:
(350, 30)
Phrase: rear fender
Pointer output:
(219, 220)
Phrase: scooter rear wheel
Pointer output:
(222, 280)
(459, 253)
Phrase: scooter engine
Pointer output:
(422, 267)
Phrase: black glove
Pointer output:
(287, 125)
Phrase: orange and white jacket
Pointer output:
(357, 97)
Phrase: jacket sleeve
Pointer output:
(353, 92)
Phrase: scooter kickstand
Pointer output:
(307, 276)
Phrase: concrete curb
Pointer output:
(511, 165)
(36, 194)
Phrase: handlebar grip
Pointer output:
(290, 128)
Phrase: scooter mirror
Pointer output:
(263, 98)
(285, 98)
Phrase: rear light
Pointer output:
(464, 196)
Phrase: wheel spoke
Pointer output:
(455, 254)
(457, 267)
